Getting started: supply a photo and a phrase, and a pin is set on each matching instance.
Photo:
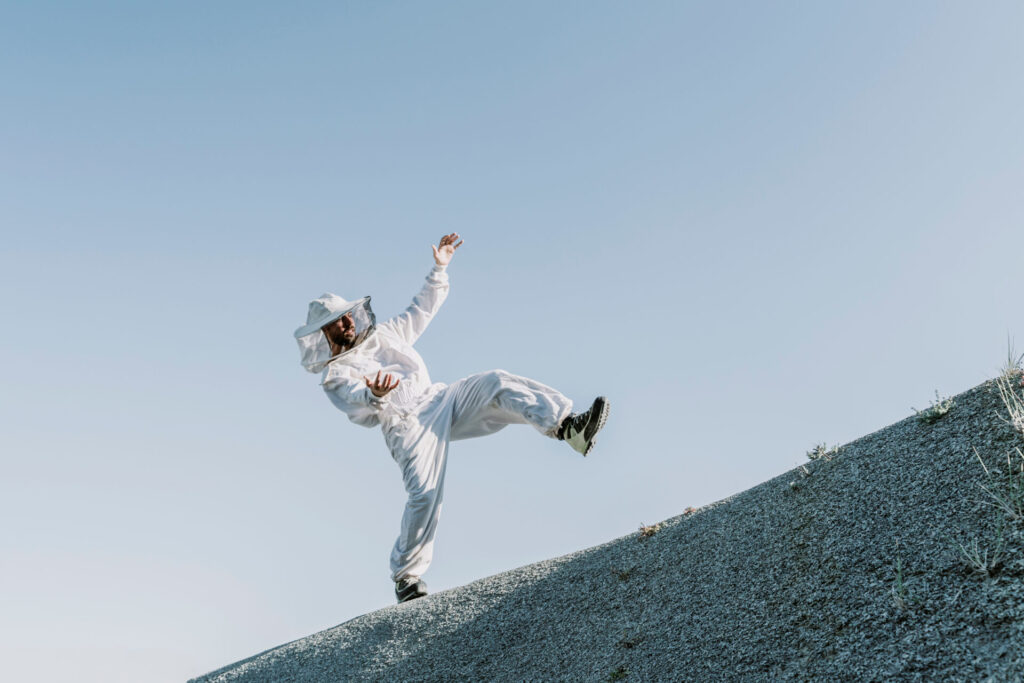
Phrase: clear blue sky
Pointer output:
(754, 226)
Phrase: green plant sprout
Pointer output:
(900, 596)
(981, 561)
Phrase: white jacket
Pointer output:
(388, 349)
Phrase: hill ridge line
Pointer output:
(845, 567)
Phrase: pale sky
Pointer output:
(753, 226)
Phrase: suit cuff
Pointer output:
(438, 275)
(375, 401)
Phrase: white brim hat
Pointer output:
(328, 308)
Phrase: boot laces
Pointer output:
(576, 423)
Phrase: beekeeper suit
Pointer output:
(373, 374)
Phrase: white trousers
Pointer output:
(475, 406)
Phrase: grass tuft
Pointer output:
(983, 560)
(1012, 367)
(822, 452)
(648, 531)
(1006, 492)
(1007, 384)
(939, 407)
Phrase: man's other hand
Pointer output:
(380, 386)
(443, 252)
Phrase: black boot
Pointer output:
(579, 430)
(410, 589)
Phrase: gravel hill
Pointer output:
(849, 567)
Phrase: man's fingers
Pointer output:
(459, 245)
(381, 385)
(447, 240)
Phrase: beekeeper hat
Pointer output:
(328, 308)
(314, 349)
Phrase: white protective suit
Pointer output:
(419, 418)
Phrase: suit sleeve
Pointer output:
(411, 323)
(355, 399)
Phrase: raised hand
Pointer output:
(380, 386)
(443, 252)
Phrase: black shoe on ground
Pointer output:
(410, 589)
(579, 430)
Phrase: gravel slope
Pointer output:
(790, 580)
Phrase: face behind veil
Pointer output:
(350, 325)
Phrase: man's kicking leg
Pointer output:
(487, 402)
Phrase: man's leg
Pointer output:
(423, 456)
(489, 401)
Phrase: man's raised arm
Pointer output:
(413, 321)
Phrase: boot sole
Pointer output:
(416, 590)
(600, 408)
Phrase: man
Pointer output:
(373, 374)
